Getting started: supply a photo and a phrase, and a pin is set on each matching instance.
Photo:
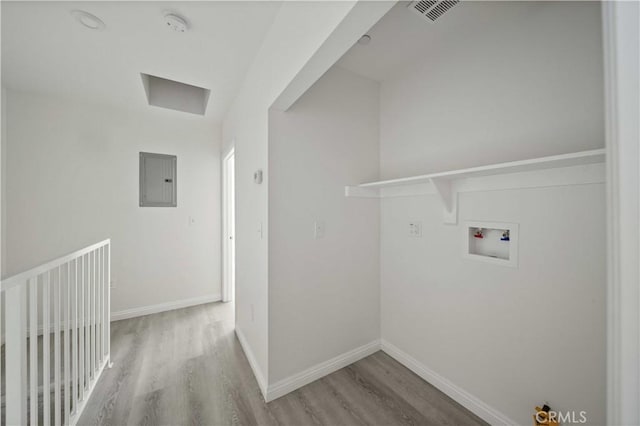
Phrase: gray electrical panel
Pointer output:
(158, 180)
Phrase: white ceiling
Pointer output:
(45, 50)
(402, 38)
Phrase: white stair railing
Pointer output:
(60, 310)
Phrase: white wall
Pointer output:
(323, 293)
(303, 42)
(529, 84)
(513, 338)
(72, 180)
(297, 32)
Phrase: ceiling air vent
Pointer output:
(432, 9)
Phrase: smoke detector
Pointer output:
(88, 20)
(176, 22)
(432, 9)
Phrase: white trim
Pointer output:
(585, 174)
(620, 29)
(359, 17)
(22, 277)
(448, 187)
(554, 161)
(260, 378)
(163, 307)
(227, 271)
(462, 397)
(289, 384)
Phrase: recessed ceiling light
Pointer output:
(365, 39)
(176, 22)
(88, 20)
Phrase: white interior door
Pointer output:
(229, 246)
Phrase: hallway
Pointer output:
(187, 367)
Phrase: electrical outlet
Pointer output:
(318, 229)
(415, 229)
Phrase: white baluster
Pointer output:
(46, 350)
(93, 315)
(87, 327)
(33, 349)
(108, 307)
(74, 344)
(56, 353)
(16, 355)
(81, 315)
(1, 334)
(79, 295)
(92, 262)
(99, 312)
(105, 289)
(67, 341)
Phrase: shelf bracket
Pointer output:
(449, 197)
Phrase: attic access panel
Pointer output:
(158, 180)
(170, 94)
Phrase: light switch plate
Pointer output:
(318, 229)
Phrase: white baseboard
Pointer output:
(318, 371)
(462, 397)
(260, 378)
(163, 307)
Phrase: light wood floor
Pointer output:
(186, 367)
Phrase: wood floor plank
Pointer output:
(368, 403)
(186, 367)
(438, 408)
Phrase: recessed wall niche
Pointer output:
(491, 242)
